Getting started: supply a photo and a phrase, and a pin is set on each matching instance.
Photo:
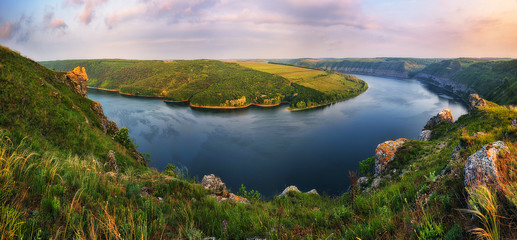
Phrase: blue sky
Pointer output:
(228, 29)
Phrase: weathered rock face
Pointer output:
(289, 189)
(425, 135)
(213, 183)
(109, 127)
(481, 167)
(76, 81)
(112, 161)
(223, 196)
(443, 116)
(385, 153)
(475, 101)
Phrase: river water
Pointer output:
(268, 149)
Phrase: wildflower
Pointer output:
(224, 226)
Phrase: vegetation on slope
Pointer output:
(394, 67)
(51, 189)
(496, 80)
(212, 83)
(313, 87)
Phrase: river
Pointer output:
(268, 149)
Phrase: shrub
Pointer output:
(122, 137)
(366, 166)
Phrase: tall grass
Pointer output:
(483, 205)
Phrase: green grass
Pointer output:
(54, 184)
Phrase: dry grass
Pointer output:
(483, 206)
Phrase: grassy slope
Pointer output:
(317, 86)
(70, 197)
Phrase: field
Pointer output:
(320, 80)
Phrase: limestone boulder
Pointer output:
(213, 183)
(443, 116)
(481, 167)
(76, 80)
(112, 161)
(475, 101)
(385, 153)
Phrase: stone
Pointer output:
(376, 182)
(313, 191)
(236, 198)
(112, 161)
(213, 183)
(289, 189)
(481, 167)
(385, 152)
(425, 135)
(514, 122)
(475, 101)
(456, 151)
(76, 81)
(443, 116)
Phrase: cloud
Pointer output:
(88, 11)
(16, 30)
(54, 23)
(171, 10)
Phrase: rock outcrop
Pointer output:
(443, 116)
(313, 191)
(76, 81)
(109, 127)
(425, 135)
(213, 183)
(112, 161)
(289, 189)
(385, 153)
(481, 167)
(475, 101)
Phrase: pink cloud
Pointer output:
(6, 30)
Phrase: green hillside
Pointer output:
(496, 80)
(210, 83)
(390, 67)
(54, 183)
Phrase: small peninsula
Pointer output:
(217, 84)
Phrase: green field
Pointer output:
(330, 86)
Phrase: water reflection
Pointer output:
(268, 149)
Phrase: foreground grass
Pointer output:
(45, 195)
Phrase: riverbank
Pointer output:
(220, 107)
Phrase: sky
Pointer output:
(272, 29)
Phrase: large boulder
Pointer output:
(443, 116)
(385, 153)
(76, 81)
(481, 167)
(475, 101)
(213, 183)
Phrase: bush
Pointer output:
(366, 166)
(122, 137)
(252, 195)
(170, 170)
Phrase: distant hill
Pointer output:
(493, 78)
(210, 83)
